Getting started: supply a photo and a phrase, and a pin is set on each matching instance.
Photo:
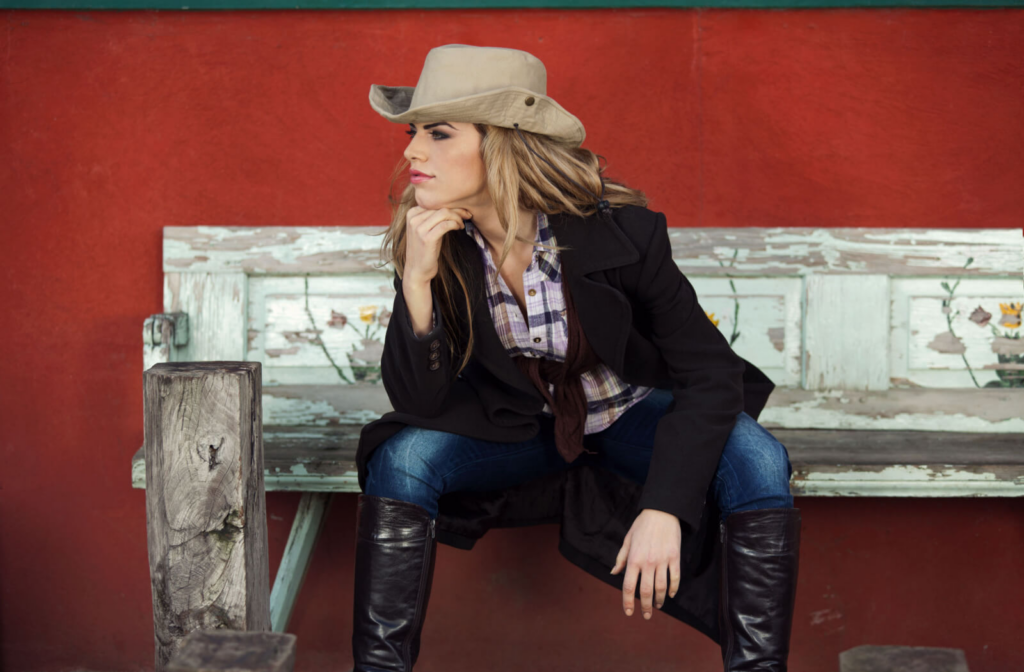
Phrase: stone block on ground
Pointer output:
(234, 651)
(869, 658)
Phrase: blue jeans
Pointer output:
(419, 465)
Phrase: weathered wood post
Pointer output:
(206, 515)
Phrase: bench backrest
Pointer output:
(860, 328)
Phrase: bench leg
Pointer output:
(309, 521)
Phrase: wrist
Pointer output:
(416, 283)
(661, 513)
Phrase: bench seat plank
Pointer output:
(838, 463)
(825, 462)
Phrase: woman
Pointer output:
(549, 362)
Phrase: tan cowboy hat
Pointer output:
(492, 85)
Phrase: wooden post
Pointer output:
(206, 518)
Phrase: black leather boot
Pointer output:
(760, 560)
(395, 550)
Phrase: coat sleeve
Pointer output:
(411, 384)
(707, 386)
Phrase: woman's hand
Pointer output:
(423, 231)
(651, 548)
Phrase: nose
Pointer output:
(416, 149)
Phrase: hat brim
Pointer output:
(501, 107)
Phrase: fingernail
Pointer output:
(629, 612)
(647, 615)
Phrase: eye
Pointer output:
(437, 135)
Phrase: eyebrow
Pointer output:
(430, 126)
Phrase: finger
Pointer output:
(620, 559)
(463, 213)
(415, 214)
(629, 587)
(439, 216)
(425, 213)
(422, 228)
(647, 590)
(441, 229)
(424, 217)
(660, 584)
(673, 586)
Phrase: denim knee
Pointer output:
(402, 467)
(754, 470)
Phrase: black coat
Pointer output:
(642, 318)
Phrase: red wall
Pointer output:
(116, 124)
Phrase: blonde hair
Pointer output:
(516, 178)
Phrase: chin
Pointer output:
(431, 202)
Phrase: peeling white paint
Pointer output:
(904, 472)
(808, 415)
(802, 251)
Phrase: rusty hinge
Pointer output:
(164, 328)
(161, 334)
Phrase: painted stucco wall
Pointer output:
(116, 124)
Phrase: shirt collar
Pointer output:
(547, 261)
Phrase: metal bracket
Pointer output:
(165, 328)
(162, 334)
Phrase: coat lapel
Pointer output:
(595, 244)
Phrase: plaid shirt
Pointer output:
(546, 333)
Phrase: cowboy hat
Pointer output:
(491, 85)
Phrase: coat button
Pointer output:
(434, 366)
(532, 292)
(435, 354)
(435, 344)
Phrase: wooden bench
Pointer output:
(897, 352)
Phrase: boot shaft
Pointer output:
(396, 546)
(760, 564)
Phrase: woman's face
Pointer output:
(450, 153)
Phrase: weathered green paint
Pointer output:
(306, 528)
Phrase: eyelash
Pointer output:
(411, 133)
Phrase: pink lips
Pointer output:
(416, 177)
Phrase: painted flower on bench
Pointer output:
(366, 354)
(1008, 345)
(1011, 315)
(1010, 318)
